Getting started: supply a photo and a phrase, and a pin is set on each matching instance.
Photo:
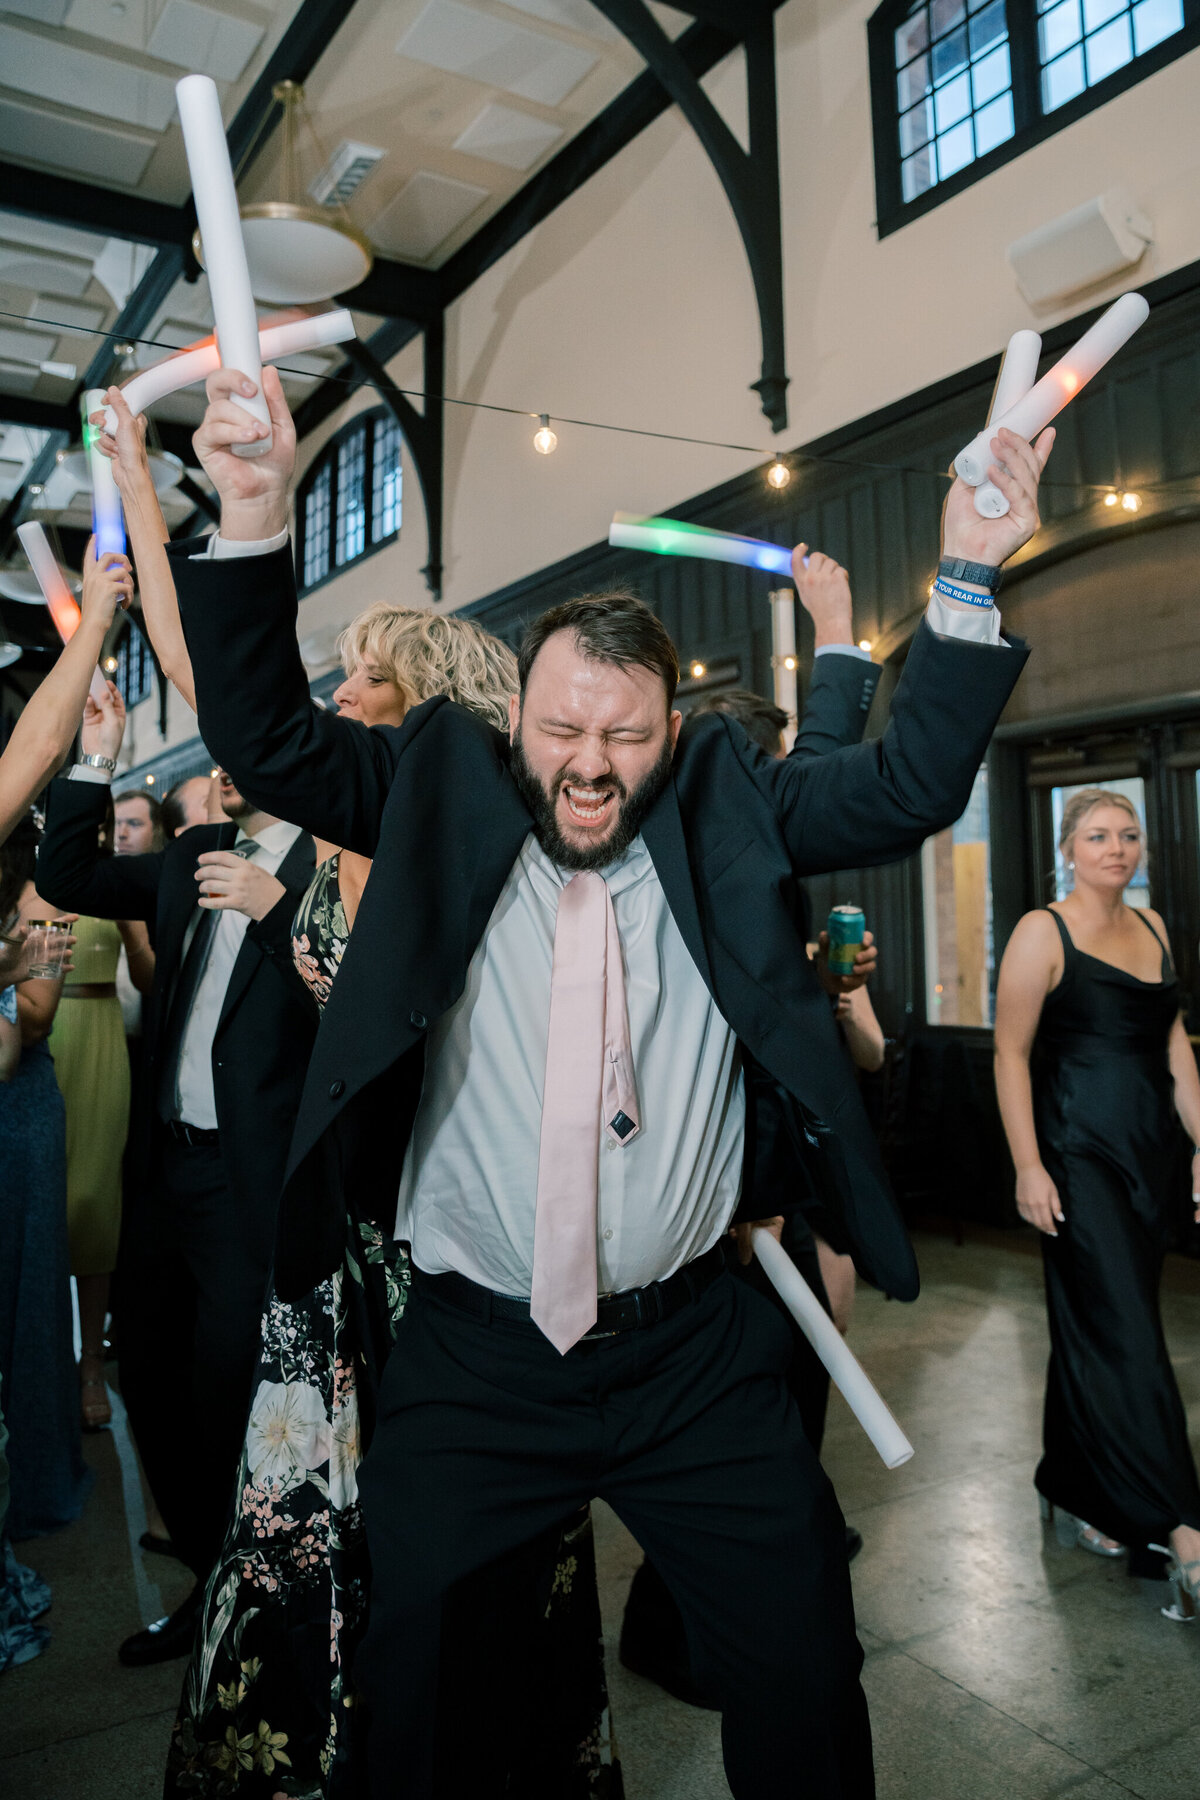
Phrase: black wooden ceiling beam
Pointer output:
(83, 205)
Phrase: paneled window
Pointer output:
(134, 673)
(350, 500)
(960, 86)
(956, 893)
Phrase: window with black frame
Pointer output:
(959, 87)
(134, 671)
(349, 503)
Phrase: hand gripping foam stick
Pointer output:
(107, 519)
(197, 364)
(1018, 372)
(1059, 385)
(64, 609)
(845, 1370)
(668, 537)
(221, 232)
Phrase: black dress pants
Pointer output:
(487, 1437)
(194, 1266)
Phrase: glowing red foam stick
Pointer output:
(64, 608)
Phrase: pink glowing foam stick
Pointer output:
(1058, 386)
(64, 609)
(1018, 372)
(197, 363)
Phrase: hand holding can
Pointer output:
(846, 927)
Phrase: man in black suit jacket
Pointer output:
(673, 1407)
(228, 1028)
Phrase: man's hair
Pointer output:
(155, 811)
(172, 814)
(425, 653)
(760, 719)
(615, 627)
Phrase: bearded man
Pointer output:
(576, 968)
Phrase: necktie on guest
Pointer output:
(589, 1087)
(180, 1006)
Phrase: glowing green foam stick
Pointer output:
(669, 537)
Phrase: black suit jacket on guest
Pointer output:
(434, 804)
(266, 1028)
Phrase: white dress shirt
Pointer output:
(195, 1100)
(470, 1175)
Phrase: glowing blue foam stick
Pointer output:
(108, 522)
(668, 537)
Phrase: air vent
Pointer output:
(345, 173)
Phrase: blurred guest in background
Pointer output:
(38, 1379)
(139, 822)
(195, 801)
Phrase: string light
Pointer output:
(865, 644)
(1112, 499)
(1131, 502)
(149, 781)
(698, 671)
(110, 665)
(779, 474)
(789, 662)
(544, 440)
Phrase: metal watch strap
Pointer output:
(986, 575)
(99, 762)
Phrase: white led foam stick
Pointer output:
(108, 521)
(1018, 372)
(845, 1370)
(190, 366)
(224, 251)
(1046, 399)
(671, 537)
(64, 609)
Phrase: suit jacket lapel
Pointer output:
(662, 832)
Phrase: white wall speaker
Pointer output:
(1092, 243)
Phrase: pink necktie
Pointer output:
(589, 1084)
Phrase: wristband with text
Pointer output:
(988, 575)
(952, 592)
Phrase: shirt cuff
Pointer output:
(219, 549)
(974, 625)
(85, 772)
(843, 650)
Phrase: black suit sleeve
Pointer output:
(840, 692)
(255, 712)
(273, 932)
(72, 873)
(876, 802)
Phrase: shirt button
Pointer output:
(608, 1234)
(336, 1089)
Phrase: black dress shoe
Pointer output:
(853, 1543)
(166, 1639)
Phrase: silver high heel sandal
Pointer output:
(1073, 1533)
(1185, 1586)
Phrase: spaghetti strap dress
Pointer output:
(1116, 1449)
(269, 1703)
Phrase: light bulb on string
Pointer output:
(110, 665)
(865, 644)
(778, 475)
(1131, 502)
(544, 440)
(698, 671)
(1113, 499)
(789, 662)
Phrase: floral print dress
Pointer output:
(268, 1707)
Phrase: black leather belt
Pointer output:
(191, 1134)
(615, 1313)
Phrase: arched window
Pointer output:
(349, 503)
(959, 87)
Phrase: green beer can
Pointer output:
(846, 927)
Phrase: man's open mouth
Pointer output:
(588, 806)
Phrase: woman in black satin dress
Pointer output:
(1092, 1066)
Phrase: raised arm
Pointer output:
(1031, 966)
(46, 728)
(237, 597)
(71, 870)
(149, 537)
(879, 801)
(843, 680)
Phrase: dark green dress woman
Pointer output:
(268, 1705)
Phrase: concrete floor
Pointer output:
(999, 1666)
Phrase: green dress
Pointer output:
(92, 1066)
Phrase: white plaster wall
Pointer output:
(633, 305)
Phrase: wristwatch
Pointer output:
(99, 762)
(986, 575)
